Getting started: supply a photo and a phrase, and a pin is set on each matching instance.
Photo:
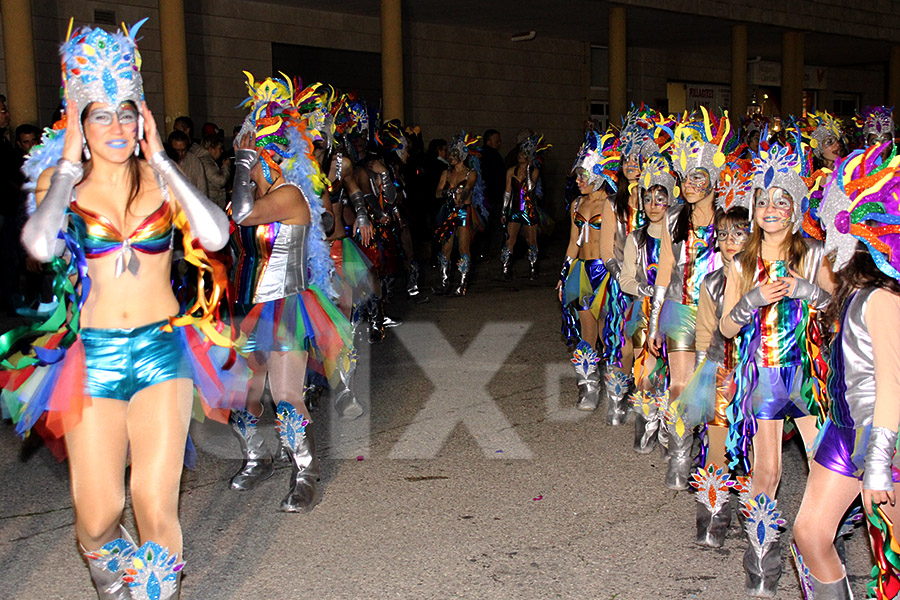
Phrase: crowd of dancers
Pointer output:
(729, 283)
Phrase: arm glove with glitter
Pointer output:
(813, 294)
(742, 313)
(208, 223)
(879, 460)
(358, 202)
(388, 189)
(659, 296)
(242, 195)
(40, 234)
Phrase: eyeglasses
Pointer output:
(775, 197)
(738, 235)
(655, 198)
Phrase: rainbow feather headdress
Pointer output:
(781, 166)
(463, 144)
(314, 103)
(817, 127)
(533, 146)
(599, 158)
(862, 202)
(658, 171)
(391, 137)
(734, 185)
(98, 66)
(702, 143)
(269, 120)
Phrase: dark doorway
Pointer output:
(347, 70)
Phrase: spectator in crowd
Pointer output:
(10, 182)
(493, 171)
(210, 166)
(512, 157)
(217, 178)
(27, 136)
(189, 164)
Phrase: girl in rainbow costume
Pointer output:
(583, 279)
(284, 282)
(112, 373)
(856, 448)
(774, 289)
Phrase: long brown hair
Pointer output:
(794, 247)
(859, 273)
(134, 167)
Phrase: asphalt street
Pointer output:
(471, 476)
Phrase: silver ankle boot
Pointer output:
(618, 386)
(505, 256)
(585, 360)
(813, 589)
(762, 559)
(647, 418)
(107, 566)
(296, 438)
(713, 505)
(259, 464)
(345, 403)
(679, 467)
(445, 276)
(532, 260)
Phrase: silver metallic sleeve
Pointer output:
(699, 357)
(743, 311)
(813, 294)
(374, 205)
(659, 296)
(646, 289)
(507, 202)
(242, 195)
(879, 459)
(208, 222)
(614, 268)
(40, 234)
(388, 189)
(358, 202)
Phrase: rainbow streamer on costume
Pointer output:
(886, 548)
(702, 259)
(741, 416)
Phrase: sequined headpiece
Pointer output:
(269, 120)
(779, 166)
(391, 137)
(462, 145)
(702, 144)
(862, 202)
(600, 159)
(315, 104)
(878, 121)
(734, 186)
(658, 171)
(103, 67)
(533, 146)
(817, 127)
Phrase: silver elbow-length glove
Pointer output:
(880, 459)
(699, 357)
(209, 224)
(358, 202)
(242, 192)
(614, 268)
(656, 304)
(743, 311)
(40, 236)
(507, 202)
(813, 294)
(388, 189)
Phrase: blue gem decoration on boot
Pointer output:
(585, 359)
(618, 383)
(532, 254)
(153, 574)
(763, 523)
(806, 586)
(291, 425)
(244, 419)
(504, 254)
(463, 264)
(112, 556)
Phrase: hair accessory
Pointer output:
(780, 167)
(534, 146)
(702, 143)
(734, 185)
(462, 145)
(600, 159)
(817, 127)
(877, 121)
(658, 171)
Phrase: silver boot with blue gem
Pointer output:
(107, 566)
(259, 464)
(296, 438)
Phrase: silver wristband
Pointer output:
(743, 311)
(880, 459)
(656, 304)
(812, 293)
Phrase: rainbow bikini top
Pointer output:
(100, 237)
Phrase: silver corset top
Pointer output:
(286, 272)
(859, 364)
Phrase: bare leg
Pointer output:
(808, 432)
(158, 420)
(512, 230)
(716, 436)
(681, 367)
(767, 457)
(531, 235)
(826, 499)
(97, 449)
(287, 374)
(590, 330)
(465, 238)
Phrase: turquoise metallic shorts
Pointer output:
(122, 362)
